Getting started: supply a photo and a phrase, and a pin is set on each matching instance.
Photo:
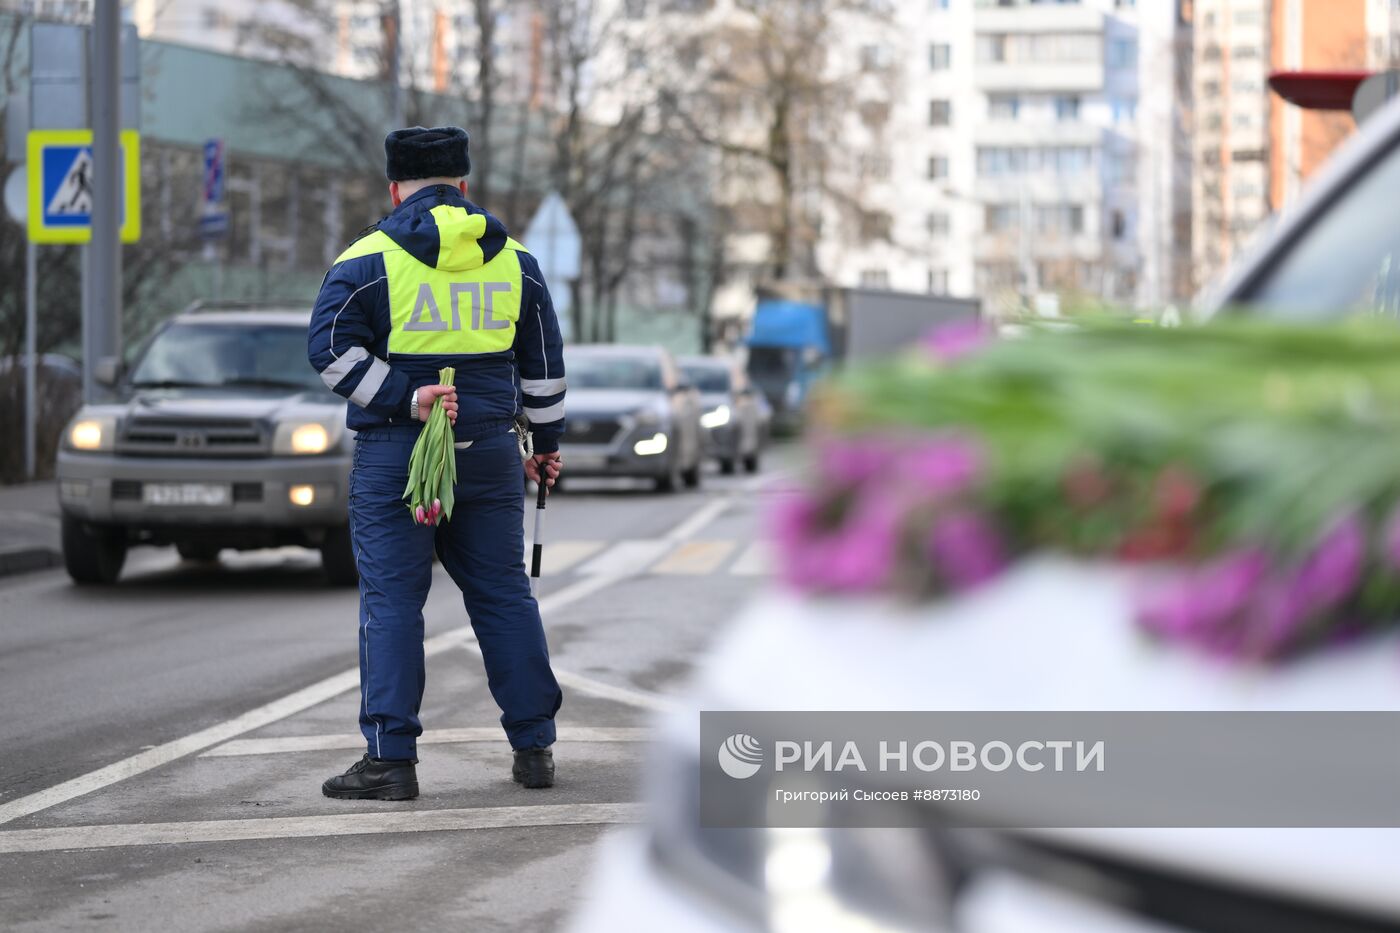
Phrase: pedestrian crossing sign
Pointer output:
(60, 186)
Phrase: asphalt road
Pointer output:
(166, 738)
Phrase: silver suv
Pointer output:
(221, 436)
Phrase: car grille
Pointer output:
(190, 438)
(581, 429)
(129, 490)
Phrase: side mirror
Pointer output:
(107, 371)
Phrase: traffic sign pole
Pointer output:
(31, 359)
(104, 310)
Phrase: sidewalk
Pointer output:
(29, 527)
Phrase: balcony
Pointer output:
(1038, 17)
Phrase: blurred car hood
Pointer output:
(611, 401)
(1056, 635)
(240, 402)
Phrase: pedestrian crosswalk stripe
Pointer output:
(655, 556)
(695, 558)
(755, 561)
(559, 556)
(626, 557)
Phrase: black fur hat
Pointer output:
(440, 152)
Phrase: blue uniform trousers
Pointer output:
(482, 548)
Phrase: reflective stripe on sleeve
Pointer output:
(341, 366)
(542, 386)
(545, 415)
(374, 378)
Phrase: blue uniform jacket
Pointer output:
(439, 283)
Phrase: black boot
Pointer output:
(534, 767)
(375, 779)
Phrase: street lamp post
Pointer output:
(105, 299)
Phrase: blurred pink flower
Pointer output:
(858, 555)
(944, 466)
(851, 462)
(1390, 541)
(966, 550)
(955, 340)
(1333, 569)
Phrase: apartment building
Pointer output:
(1042, 149)
(1253, 150)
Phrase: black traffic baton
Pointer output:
(537, 556)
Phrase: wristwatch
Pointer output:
(413, 406)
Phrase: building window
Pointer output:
(1122, 53)
(940, 56)
(874, 278)
(1119, 225)
(937, 168)
(875, 167)
(1124, 109)
(636, 9)
(938, 4)
(876, 225)
(1003, 106)
(1060, 219)
(636, 60)
(938, 224)
(876, 57)
(1066, 107)
(1001, 218)
(938, 281)
(940, 113)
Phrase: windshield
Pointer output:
(708, 379)
(770, 363)
(1347, 263)
(613, 372)
(227, 355)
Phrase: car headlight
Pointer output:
(716, 418)
(304, 437)
(91, 432)
(650, 446)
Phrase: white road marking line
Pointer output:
(397, 819)
(626, 557)
(559, 556)
(702, 517)
(284, 744)
(141, 762)
(335, 685)
(277, 710)
(755, 561)
(695, 558)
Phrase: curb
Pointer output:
(27, 559)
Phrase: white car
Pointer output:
(1050, 636)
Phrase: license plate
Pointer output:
(200, 494)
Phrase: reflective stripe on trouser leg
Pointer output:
(394, 557)
(483, 548)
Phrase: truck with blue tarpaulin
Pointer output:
(798, 334)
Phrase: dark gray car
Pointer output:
(733, 424)
(221, 436)
(631, 412)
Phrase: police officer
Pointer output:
(439, 283)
